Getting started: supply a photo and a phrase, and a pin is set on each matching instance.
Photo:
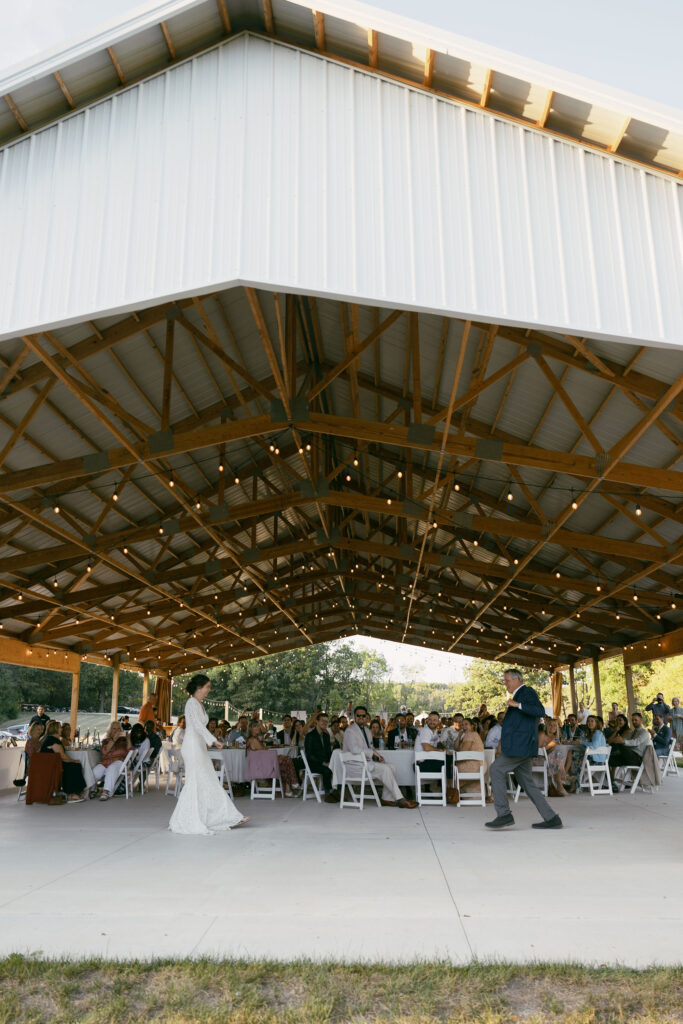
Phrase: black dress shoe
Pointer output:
(502, 821)
(554, 822)
(332, 798)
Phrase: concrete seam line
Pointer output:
(448, 886)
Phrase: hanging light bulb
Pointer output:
(56, 509)
(574, 502)
(510, 494)
(115, 495)
(639, 510)
(237, 480)
(171, 482)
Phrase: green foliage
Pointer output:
(23, 685)
(484, 685)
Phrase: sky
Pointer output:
(630, 44)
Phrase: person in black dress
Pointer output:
(73, 782)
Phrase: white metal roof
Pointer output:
(261, 162)
(535, 92)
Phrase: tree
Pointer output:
(484, 685)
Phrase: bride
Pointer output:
(203, 805)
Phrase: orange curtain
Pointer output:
(556, 691)
(162, 692)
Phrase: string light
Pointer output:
(115, 495)
(510, 494)
(639, 510)
(56, 509)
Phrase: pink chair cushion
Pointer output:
(261, 764)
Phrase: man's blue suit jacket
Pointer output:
(520, 725)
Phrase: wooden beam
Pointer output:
(354, 354)
(596, 686)
(572, 690)
(666, 645)
(262, 328)
(619, 137)
(547, 107)
(429, 69)
(168, 374)
(73, 715)
(319, 29)
(372, 48)
(268, 19)
(169, 42)
(18, 431)
(17, 652)
(225, 18)
(65, 92)
(145, 685)
(115, 688)
(486, 91)
(15, 110)
(117, 67)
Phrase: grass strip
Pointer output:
(34, 990)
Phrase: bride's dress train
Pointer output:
(203, 806)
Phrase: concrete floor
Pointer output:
(304, 880)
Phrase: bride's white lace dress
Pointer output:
(203, 806)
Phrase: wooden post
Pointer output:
(145, 685)
(75, 684)
(115, 689)
(596, 686)
(629, 689)
(572, 690)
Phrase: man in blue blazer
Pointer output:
(519, 744)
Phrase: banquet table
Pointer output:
(88, 759)
(234, 758)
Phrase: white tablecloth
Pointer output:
(88, 759)
(233, 758)
(402, 760)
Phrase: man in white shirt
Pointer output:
(428, 739)
(358, 740)
(584, 712)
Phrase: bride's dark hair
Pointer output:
(195, 683)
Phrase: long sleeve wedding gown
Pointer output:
(203, 805)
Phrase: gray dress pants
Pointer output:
(521, 766)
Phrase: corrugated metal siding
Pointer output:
(259, 162)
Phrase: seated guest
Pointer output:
(595, 737)
(212, 726)
(614, 712)
(628, 746)
(377, 734)
(284, 736)
(398, 738)
(483, 712)
(178, 733)
(298, 733)
(471, 740)
(410, 726)
(559, 758)
(115, 746)
(318, 747)
(452, 736)
(154, 741)
(358, 740)
(661, 736)
(73, 782)
(492, 733)
(499, 717)
(238, 735)
(343, 722)
(336, 734)
(139, 740)
(569, 729)
(428, 740)
(290, 780)
(125, 723)
(65, 735)
(35, 736)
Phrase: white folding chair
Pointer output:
(537, 769)
(21, 790)
(175, 767)
(268, 788)
(221, 770)
(474, 798)
(430, 777)
(596, 777)
(667, 762)
(148, 768)
(355, 773)
(310, 778)
(129, 769)
(629, 776)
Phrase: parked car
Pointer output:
(20, 732)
